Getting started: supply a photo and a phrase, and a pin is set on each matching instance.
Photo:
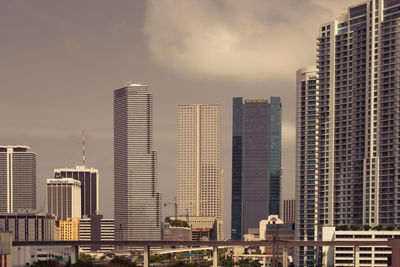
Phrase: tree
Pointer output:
(123, 262)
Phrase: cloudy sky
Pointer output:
(61, 60)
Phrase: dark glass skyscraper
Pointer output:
(256, 162)
(89, 179)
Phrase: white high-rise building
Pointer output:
(137, 204)
(17, 179)
(200, 175)
(64, 198)
(348, 153)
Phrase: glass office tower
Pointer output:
(256, 162)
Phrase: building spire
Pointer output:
(83, 149)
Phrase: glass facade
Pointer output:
(256, 162)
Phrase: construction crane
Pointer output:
(176, 207)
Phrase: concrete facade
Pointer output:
(200, 174)
(17, 179)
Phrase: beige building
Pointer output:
(69, 229)
(64, 198)
(200, 174)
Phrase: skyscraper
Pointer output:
(64, 198)
(137, 204)
(89, 179)
(256, 162)
(17, 179)
(357, 159)
(307, 185)
(200, 176)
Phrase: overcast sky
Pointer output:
(61, 60)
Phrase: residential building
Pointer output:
(256, 162)
(68, 229)
(29, 226)
(357, 158)
(307, 137)
(64, 198)
(89, 179)
(137, 204)
(200, 174)
(371, 256)
(96, 228)
(288, 210)
(17, 178)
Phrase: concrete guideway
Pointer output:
(284, 244)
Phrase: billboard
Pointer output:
(5, 243)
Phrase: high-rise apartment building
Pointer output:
(307, 137)
(89, 179)
(17, 179)
(137, 204)
(256, 162)
(357, 160)
(200, 175)
(64, 198)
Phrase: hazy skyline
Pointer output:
(61, 61)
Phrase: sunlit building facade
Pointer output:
(200, 175)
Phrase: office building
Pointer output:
(29, 226)
(17, 179)
(357, 147)
(96, 228)
(256, 162)
(288, 211)
(68, 229)
(200, 175)
(137, 204)
(64, 198)
(89, 179)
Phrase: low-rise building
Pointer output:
(68, 229)
(29, 226)
(173, 233)
(96, 228)
(203, 228)
(368, 256)
(5, 249)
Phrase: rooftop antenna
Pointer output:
(83, 148)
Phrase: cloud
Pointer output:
(248, 40)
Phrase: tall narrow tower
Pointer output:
(256, 162)
(200, 177)
(137, 204)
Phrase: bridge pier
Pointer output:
(215, 256)
(356, 256)
(285, 256)
(74, 254)
(146, 256)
